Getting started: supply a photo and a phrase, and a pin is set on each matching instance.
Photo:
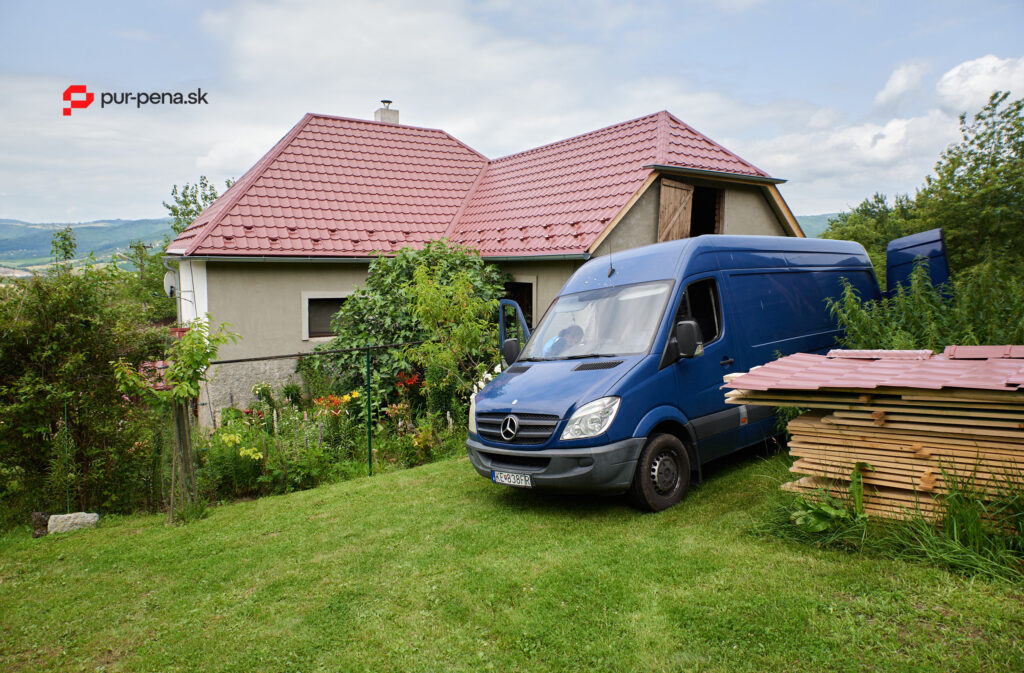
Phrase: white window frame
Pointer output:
(306, 296)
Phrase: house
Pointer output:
(279, 251)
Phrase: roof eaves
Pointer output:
(715, 175)
(247, 181)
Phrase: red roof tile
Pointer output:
(336, 187)
(890, 369)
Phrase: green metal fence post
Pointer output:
(369, 426)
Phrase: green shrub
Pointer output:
(984, 305)
(57, 334)
(383, 311)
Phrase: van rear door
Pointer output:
(903, 253)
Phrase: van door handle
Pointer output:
(726, 361)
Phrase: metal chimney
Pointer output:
(386, 114)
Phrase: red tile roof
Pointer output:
(336, 187)
(958, 367)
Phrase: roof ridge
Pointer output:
(661, 152)
(718, 145)
(575, 137)
(245, 182)
(453, 225)
(396, 125)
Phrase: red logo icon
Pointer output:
(77, 102)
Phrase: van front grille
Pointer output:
(502, 462)
(532, 428)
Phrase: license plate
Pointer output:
(512, 479)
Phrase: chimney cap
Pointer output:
(386, 103)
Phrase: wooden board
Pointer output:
(883, 416)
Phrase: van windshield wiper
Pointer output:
(533, 359)
(590, 355)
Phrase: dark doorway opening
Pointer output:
(522, 294)
(706, 218)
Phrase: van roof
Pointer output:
(711, 252)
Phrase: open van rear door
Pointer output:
(901, 254)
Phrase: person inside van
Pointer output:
(566, 339)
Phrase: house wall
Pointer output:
(637, 227)
(547, 277)
(263, 301)
(747, 213)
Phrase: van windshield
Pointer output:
(610, 321)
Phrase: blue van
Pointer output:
(618, 388)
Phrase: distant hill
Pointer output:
(23, 244)
(814, 225)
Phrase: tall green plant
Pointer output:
(984, 305)
(384, 312)
(461, 334)
(57, 332)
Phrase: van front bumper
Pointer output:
(593, 469)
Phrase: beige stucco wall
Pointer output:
(747, 212)
(639, 226)
(547, 277)
(263, 301)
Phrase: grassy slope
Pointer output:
(437, 569)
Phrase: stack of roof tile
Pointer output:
(910, 422)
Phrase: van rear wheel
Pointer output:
(662, 474)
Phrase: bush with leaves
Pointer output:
(461, 333)
(384, 312)
(984, 305)
(58, 331)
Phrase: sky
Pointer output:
(841, 99)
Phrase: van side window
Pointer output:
(700, 303)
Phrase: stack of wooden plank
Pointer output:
(909, 422)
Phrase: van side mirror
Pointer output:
(510, 350)
(688, 339)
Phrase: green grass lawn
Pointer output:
(436, 569)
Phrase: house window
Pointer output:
(318, 309)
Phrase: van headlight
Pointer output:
(591, 419)
(472, 413)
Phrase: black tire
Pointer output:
(662, 474)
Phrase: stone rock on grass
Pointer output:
(40, 521)
(63, 523)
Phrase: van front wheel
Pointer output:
(662, 474)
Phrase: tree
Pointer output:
(188, 360)
(383, 311)
(59, 403)
(977, 192)
(191, 200)
(976, 196)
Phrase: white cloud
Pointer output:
(825, 167)
(905, 79)
(967, 87)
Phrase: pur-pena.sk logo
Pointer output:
(73, 101)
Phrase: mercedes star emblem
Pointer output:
(509, 428)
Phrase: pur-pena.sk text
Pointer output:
(77, 97)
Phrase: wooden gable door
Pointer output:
(676, 210)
